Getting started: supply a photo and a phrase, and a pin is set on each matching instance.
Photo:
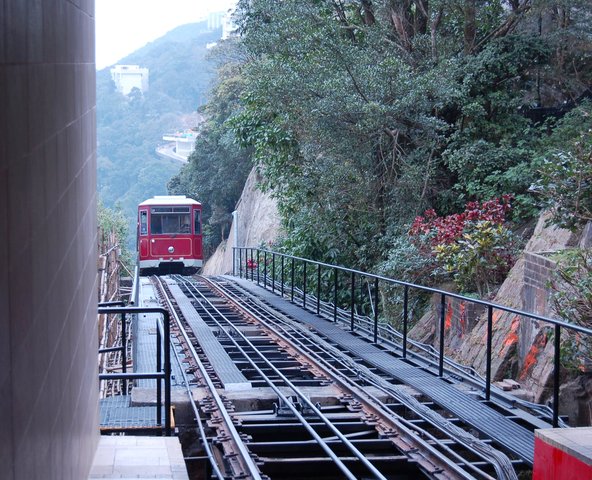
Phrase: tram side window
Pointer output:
(155, 224)
(143, 222)
(197, 222)
(185, 222)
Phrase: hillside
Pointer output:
(414, 139)
(129, 128)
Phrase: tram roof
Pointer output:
(169, 200)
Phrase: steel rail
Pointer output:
(501, 465)
(352, 387)
(503, 461)
(345, 470)
(450, 430)
(202, 432)
(287, 331)
(289, 404)
(245, 454)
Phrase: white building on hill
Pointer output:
(126, 77)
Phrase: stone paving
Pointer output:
(126, 457)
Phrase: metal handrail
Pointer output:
(248, 262)
(135, 287)
(163, 368)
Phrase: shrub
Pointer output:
(474, 247)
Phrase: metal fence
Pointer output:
(162, 371)
(303, 280)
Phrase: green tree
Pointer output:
(130, 127)
(217, 169)
(362, 114)
(114, 221)
(565, 170)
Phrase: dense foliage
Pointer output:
(218, 167)
(571, 288)
(565, 170)
(112, 221)
(361, 114)
(130, 127)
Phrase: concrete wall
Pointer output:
(538, 272)
(48, 338)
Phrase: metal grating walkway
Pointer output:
(117, 412)
(491, 423)
(225, 368)
(145, 341)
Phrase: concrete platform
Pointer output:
(575, 441)
(127, 457)
(563, 454)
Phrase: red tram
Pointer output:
(169, 235)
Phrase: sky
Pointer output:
(123, 26)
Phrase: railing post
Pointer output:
(318, 288)
(273, 273)
(282, 275)
(353, 301)
(376, 310)
(362, 310)
(124, 351)
(304, 286)
(234, 262)
(335, 295)
(252, 266)
(556, 375)
(405, 318)
(167, 374)
(158, 369)
(258, 266)
(265, 268)
(292, 283)
(442, 320)
(488, 352)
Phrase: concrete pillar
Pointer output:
(48, 337)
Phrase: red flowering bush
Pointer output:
(445, 230)
(474, 246)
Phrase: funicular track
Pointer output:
(370, 429)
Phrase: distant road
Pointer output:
(168, 151)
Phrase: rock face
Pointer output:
(258, 223)
(522, 348)
(576, 395)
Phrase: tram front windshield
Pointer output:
(165, 220)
